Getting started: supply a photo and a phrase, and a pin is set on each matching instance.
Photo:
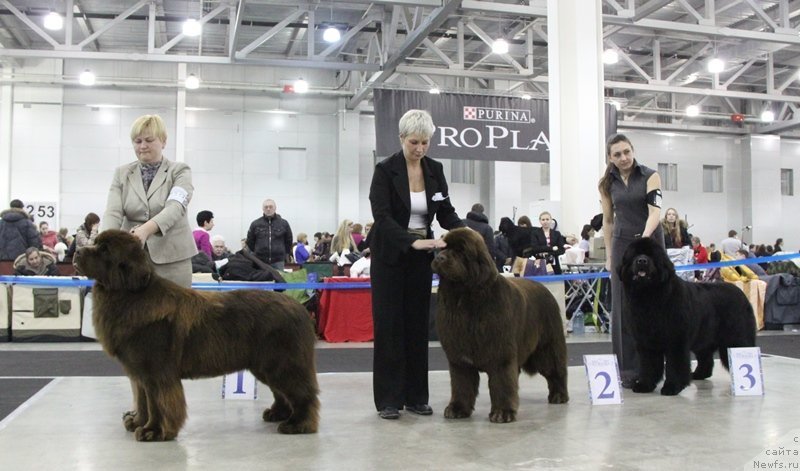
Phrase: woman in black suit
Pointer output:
(408, 189)
(548, 243)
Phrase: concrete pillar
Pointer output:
(577, 135)
(347, 186)
(761, 192)
(6, 120)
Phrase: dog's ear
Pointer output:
(135, 274)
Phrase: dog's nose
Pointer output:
(641, 262)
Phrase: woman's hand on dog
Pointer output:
(428, 244)
(144, 231)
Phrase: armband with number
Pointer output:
(654, 198)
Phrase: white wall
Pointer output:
(66, 141)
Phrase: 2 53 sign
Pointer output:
(43, 211)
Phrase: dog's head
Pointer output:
(645, 263)
(465, 260)
(116, 261)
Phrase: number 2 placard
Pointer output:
(602, 372)
(746, 376)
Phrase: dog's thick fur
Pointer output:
(670, 318)
(162, 332)
(497, 325)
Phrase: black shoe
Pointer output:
(390, 413)
(420, 409)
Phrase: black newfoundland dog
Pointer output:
(496, 325)
(671, 317)
(162, 333)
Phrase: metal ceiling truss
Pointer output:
(663, 44)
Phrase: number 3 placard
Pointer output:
(746, 376)
(602, 372)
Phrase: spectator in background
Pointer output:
(358, 236)
(17, 232)
(586, 236)
(778, 246)
(218, 248)
(712, 249)
(360, 268)
(676, 231)
(87, 231)
(35, 262)
(700, 252)
(300, 250)
(742, 254)
(270, 237)
(343, 242)
(478, 222)
(364, 244)
(547, 242)
(202, 239)
(524, 221)
(731, 244)
(63, 236)
(322, 249)
(49, 238)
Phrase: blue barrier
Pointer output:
(227, 286)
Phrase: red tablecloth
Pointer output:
(345, 315)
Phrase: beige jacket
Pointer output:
(165, 203)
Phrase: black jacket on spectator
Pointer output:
(202, 264)
(541, 247)
(270, 238)
(479, 223)
(17, 233)
(519, 238)
(243, 266)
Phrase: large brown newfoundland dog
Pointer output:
(670, 318)
(497, 325)
(162, 332)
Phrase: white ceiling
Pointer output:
(664, 47)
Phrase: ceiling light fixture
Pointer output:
(87, 78)
(53, 21)
(300, 86)
(192, 28)
(692, 111)
(615, 104)
(192, 82)
(526, 96)
(331, 34)
(434, 91)
(610, 56)
(767, 116)
(716, 65)
(500, 46)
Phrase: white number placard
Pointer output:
(747, 378)
(43, 211)
(602, 372)
(240, 385)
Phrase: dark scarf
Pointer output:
(148, 173)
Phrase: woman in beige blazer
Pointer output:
(149, 198)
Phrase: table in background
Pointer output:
(345, 315)
(588, 290)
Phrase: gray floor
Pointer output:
(74, 423)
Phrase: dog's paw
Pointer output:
(276, 414)
(129, 420)
(454, 411)
(150, 435)
(502, 416)
(671, 389)
(558, 397)
(292, 428)
(701, 375)
(640, 387)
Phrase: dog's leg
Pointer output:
(299, 392)
(137, 417)
(280, 409)
(166, 405)
(651, 369)
(464, 381)
(679, 371)
(705, 364)
(504, 392)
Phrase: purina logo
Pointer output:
(497, 115)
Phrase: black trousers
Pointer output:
(401, 296)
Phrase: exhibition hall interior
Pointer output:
(266, 143)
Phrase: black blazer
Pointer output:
(540, 245)
(390, 198)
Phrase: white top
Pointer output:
(419, 211)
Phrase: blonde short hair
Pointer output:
(149, 122)
(416, 122)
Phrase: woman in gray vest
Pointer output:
(630, 194)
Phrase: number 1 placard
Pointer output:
(602, 372)
(241, 385)
(746, 376)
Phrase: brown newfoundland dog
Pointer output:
(497, 325)
(162, 332)
(672, 318)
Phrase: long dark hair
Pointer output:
(605, 183)
(90, 220)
